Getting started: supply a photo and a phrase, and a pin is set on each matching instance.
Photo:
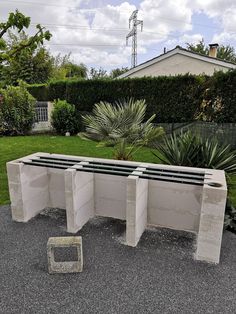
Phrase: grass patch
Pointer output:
(15, 147)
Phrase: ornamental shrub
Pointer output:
(187, 149)
(17, 110)
(65, 118)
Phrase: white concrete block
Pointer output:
(110, 196)
(211, 222)
(174, 205)
(79, 201)
(136, 210)
(56, 188)
(28, 188)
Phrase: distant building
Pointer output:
(181, 61)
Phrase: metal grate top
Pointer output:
(109, 168)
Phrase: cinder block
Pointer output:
(136, 209)
(64, 267)
(79, 201)
(211, 224)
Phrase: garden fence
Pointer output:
(225, 133)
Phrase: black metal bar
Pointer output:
(113, 165)
(46, 165)
(174, 175)
(69, 163)
(176, 171)
(109, 167)
(104, 171)
(61, 159)
(170, 180)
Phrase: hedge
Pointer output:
(172, 99)
(222, 97)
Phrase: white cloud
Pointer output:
(224, 38)
(98, 35)
(190, 38)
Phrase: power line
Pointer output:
(110, 46)
(85, 45)
(102, 9)
(70, 26)
(42, 4)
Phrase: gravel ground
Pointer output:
(158, 276)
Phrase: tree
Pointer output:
(97, 74)
(65, 68)
(19, 22)
(223, 52)
(74, 70)
(31, 64)
(200, 47)
(118, 71)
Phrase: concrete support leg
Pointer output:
(79, 190)
(136, 209)
(28, 187)
(211, 223)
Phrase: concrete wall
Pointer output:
(174, 205)
(56, 184)
(110, 196)
(179, 64)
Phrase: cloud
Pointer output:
(95, 32)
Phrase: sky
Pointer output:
(95, 31)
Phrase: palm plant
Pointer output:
(121, 125)
(109, 122)
(179, 150)
(218, 156)
(191, 150)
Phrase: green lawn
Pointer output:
(15, 147)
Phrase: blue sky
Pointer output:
(94, 31)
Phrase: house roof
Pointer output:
(182, 51)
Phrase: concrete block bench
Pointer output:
(181, 198)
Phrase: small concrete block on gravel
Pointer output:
(65, 266)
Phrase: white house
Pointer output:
(181, 61)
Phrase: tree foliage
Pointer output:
(19, 22)
(223, 52)
(118, 71)
(65, 68)
(98, 73)
(32, 64)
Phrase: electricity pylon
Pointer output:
(133, 20)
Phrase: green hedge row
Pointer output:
(172, 99)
